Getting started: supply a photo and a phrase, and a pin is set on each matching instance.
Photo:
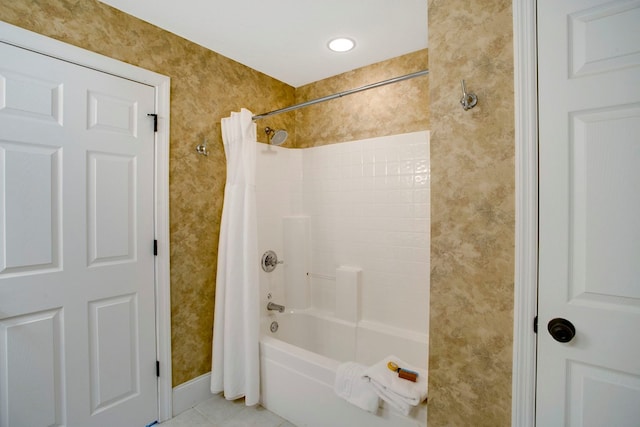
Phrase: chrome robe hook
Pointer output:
(202, 148)
(468, 100)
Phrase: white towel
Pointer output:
(351, 385)
(399, 393)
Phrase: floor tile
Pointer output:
(219, 412)
(190, 418)
(254, 416)
(218, 409)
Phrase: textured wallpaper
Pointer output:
(205, 87)
(472, 213)
(388, 110)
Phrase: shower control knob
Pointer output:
(269, 261)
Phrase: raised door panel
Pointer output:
(26, 96)
(32, 368)
(112, 114)
(605, 181)
(30, 235)
(594, 48)
(114, 355)
(111, 203)
(601, 397)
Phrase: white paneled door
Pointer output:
(589, 247)
(77, 325)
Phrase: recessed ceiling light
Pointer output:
(341, 44)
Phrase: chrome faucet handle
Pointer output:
(269, 261)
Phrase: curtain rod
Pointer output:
(341, 94)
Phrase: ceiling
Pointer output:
(287, 39)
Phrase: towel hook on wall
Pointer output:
(202, 148)
(469, 99)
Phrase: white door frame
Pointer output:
(37, 43)
(523, 403)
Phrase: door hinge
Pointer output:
(155, 247)
(155, 121)
(535, 325)
(157, 368)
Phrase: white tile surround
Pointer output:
(368, 203)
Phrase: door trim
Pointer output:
(523, 399)
(19, 37)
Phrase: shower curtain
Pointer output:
(236, 364)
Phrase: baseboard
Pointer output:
(189, 394)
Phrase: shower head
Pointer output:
(276, 136)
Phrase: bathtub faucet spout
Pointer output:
(275, 307)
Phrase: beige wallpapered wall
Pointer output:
(205, 87)
(388, 110)
(472, 213)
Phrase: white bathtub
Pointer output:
(299, 363)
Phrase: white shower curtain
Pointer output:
(236, 363)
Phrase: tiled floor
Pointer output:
(219, 412)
